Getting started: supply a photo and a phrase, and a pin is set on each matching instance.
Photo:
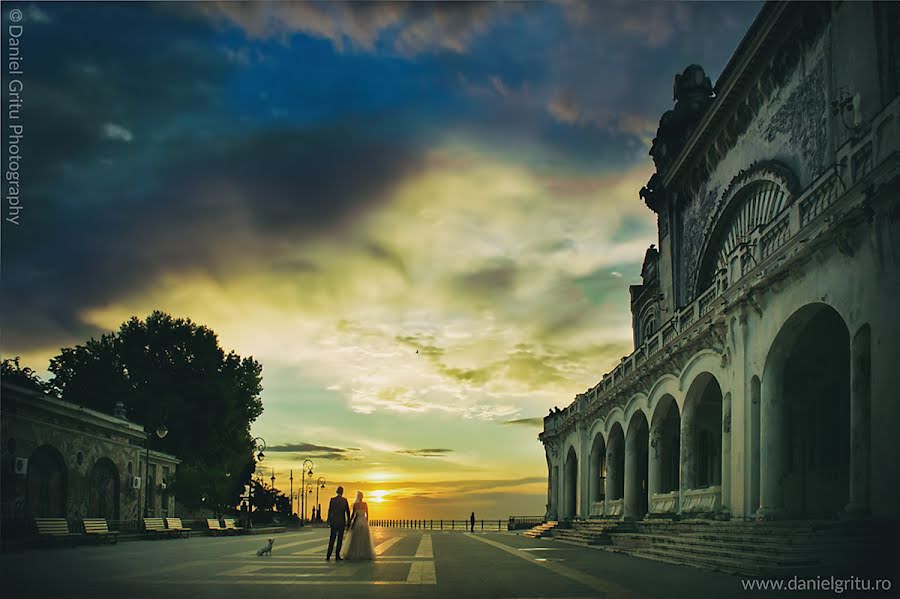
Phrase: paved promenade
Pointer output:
(411, 563)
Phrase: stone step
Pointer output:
(717, 562)
(766, 548)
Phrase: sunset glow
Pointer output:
(426, 239)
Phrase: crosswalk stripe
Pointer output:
(425, 547)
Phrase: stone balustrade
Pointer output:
(664, 503)
(702, 501)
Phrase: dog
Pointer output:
(266, 549)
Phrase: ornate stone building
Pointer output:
(763, 383)
(62, 460)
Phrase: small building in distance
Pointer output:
(61, 460)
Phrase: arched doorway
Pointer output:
(104, 496)
(805, 461)
(636, 462)
(615, 464)
(570, 507)
(665, 447)
(598, 470)
(47, 480)
(702, 433)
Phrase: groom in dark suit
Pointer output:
(338, 516)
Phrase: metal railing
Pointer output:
(460, 525)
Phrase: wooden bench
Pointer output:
(231, 527)
(55, 530)
(174, 524)
(97, 528)
(155, 527)
(215, 528)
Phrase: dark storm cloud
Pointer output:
(216, 207)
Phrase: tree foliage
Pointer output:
(12, 372)
(172, 371)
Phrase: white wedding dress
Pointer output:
(359, 547)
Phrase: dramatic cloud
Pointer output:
(426, 453)
(408, 28)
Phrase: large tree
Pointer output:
(172, 371)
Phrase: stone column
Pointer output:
(687, 478)
(726, 452)
(584, 466)
(773, 422)
(860, 422)
(654, 468)
(549, 514)
(612, 472)
(632, 506)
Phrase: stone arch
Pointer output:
(704, 361)
(570, 489)
(665, 447)
(47, 483)
(667, 384)
(597, 470)
(805, 415)
(636, 403)
(636, 456)
(104, 490)
(615, 416)
(615, 462)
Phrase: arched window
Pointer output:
(649, 327)
(752, 200)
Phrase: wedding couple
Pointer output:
(359, 547)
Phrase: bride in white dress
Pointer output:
(359, 547)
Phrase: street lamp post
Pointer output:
(307, 466)
(320, 484)
(258, 447)
(161, 432)
(309, 492)
(291, 495)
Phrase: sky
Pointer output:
(422, 219)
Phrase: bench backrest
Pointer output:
(173, 523)
(52, 526)
(229, 523)
(213, 524)
(154, 524)
(95, 526)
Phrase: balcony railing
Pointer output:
(758, 250)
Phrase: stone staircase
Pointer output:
(541, 530)
(593, 532)
(756, 548)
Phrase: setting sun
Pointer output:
(378, 496)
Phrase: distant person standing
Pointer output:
(472, 522)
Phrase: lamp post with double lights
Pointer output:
(320, 484)
(307, 471)
(258, 446)
(161, 432)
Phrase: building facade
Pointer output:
(767, 337)
(61, 460)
